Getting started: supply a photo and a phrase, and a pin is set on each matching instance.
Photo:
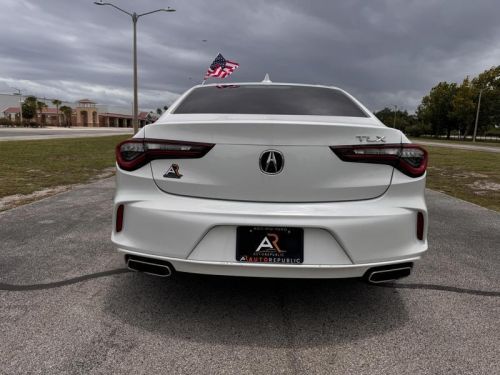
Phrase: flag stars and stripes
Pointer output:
(221, 67)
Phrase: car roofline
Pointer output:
(266, 84)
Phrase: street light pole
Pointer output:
(135, 17)
(477, 115)
(135, 120)
(20, 106)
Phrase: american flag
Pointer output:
(221, 67)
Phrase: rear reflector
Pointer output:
(134, 153)
(408, 158)
(119, 218)
(420, 226)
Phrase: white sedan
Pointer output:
(270, 180)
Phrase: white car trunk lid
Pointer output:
(311, 172)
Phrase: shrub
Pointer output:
(6, 121)
(417, 130)
(492, 132)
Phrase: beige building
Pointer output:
(86, 113)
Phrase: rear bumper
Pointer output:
(309, 271)
(341, 239)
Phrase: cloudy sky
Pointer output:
(385, 52)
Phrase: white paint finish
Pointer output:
(363, 214)
(310, 174)
(270, 271)
(160, 224)
(270, 130)
(219, 245)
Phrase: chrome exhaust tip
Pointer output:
(385, 274)
(149, 266)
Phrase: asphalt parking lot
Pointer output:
(67, 305)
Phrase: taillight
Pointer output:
(134, 153)
(407, 158)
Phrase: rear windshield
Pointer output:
(269, 100)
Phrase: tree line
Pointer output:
(450, 108)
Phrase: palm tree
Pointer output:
(40, 106)
(67, 112)
(29, 108)
(57, 103)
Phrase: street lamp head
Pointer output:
(169, 10)
(98, 3)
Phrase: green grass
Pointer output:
(473, 176)
(29, 166)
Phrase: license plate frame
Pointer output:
(270, 245)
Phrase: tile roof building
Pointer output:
(85, 113)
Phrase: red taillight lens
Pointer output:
(134, 153)
(407, 158)
(420, 226)
(119, 218)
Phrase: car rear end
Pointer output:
(234, 180)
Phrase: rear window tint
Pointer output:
(269, 100)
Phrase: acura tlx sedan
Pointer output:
(270, 180)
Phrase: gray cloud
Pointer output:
(386, 52)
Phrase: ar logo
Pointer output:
(173, 172)
(269, 243)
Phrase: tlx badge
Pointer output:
(368, 139)
(173, 172)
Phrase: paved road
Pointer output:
(22, 134)
(67, 306)
(460, 146)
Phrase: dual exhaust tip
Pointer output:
(386, 274)
(150, 266)
(161, 268)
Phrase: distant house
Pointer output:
(47, 117)
(11, 113)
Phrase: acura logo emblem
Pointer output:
(271, 162)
